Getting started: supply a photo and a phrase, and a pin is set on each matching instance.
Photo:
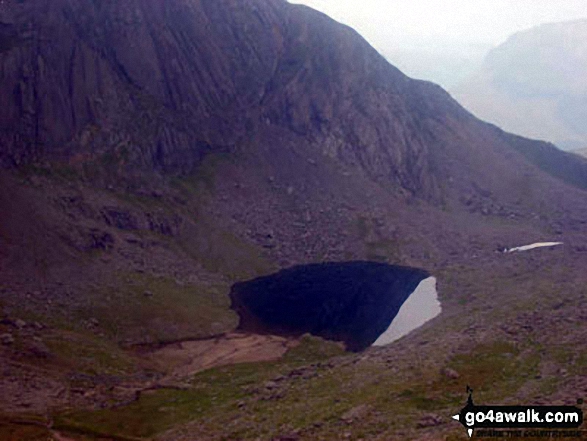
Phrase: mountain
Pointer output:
(445, 62)
(156, 154)
(534, 84)
(582, 152)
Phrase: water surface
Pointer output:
(421, 306)
(353, 302)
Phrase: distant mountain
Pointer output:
(535, 84)
(446, 63)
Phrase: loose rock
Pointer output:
(430, 421)
(450, 373)
(6, 339)
(355, 413)
(270, 385)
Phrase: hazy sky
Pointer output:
(455, 34)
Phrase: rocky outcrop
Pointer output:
(142, 85)
(352, 302)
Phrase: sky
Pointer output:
(443, 40)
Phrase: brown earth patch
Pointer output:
(180, 360)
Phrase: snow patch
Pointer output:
(532, 246)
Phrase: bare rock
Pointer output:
(430, 421)
(6, 339)
(450, 373)
(270, 385)
(356, 413)
(39, 349)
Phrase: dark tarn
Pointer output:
(353, 302)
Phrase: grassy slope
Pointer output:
(485, 334)
(212, 392)
(113, 281)
(497, 347)
(144, 287)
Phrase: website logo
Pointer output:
(517, 417)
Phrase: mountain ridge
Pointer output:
(533, 84)
(153, 132)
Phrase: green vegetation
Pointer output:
(145, 308)
(220, 251)
(203, 238)
(155, 412)
(312, 349)
(377, 248)
(59, 171)
(232, 400)
(495, 369)
(204, 177)
(214, 392)
(88, 354)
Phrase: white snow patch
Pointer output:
(532, 246)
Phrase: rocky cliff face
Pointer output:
(158, 86)
(153, 83)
